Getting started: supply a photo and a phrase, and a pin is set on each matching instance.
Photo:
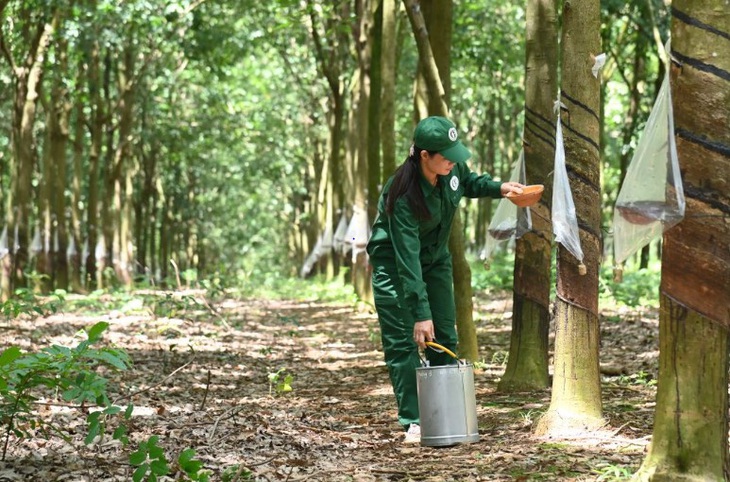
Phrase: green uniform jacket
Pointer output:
(412, 244)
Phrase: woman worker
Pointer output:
(412, 272)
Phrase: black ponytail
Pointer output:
(406, 182)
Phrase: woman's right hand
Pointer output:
(511, 186)
(423, 332)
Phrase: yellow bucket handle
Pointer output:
(436, 346)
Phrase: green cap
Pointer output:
(439, 134)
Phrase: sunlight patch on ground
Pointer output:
(384, 390)
(605, 439)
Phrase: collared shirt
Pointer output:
(413, 244)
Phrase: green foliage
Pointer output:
(150, 461)
(191, 467)
(100, 301)
(641, 378)
(236, 473)
(280, 381)
(500, 358)
(98, 420)
(273, 286)
(214, 287)
(72, 372)
(636, 289)
(25, 302)
(172, 306)
(639, 288)
(495, 276)
(610, 472)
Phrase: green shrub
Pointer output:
(70, 372)
(25, 302)
(637, 288)
(495, 275)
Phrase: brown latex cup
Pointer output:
(530, 195)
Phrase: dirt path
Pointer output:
(204, 381)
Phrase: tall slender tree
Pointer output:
(527, 365)
(97, 121)
(364, 144)
(575, 404)
(432, 29)
(690, 437)
(58, 126)
(330, 45)
(24, 50)
(388, 64)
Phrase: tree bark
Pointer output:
(59, 136)
(374, 110)
(43, 226)
(122, 167)
(690, 437)
(330, 60)
(363, 42)
(433, 55)
(96, 132)
(575, 405)
(527, 364)
(74, 255)
(27, 78)
(388, 81)
(689, 441)
(427, 61)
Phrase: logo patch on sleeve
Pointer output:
(454, 183)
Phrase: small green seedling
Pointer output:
(280, 381)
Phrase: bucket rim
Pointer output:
(447, 367)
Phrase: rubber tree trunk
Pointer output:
(41, 254)
(361, 144)
(74, 254)
(575, 405)
(59, 135)
(689, 441)
(96, 133)
(145, 212)
(690, 437)
(331, 50)
(434, 69)
(27, 78)
(527, 364)
(388, 64)
(374, 110)
(121, 170)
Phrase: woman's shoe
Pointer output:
(413, 435)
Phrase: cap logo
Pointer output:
(454, 183)
(453, 135)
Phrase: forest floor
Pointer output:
(205, 377)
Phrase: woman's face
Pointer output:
(435, 165)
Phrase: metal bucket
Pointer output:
(447, 405)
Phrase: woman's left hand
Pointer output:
(510, 186)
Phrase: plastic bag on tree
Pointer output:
(565, 220)
(321, 247)
(4, 243)
(651, 198)
(36, 246)
(312, 258)
(508, 221)
(358, 231)
(340, 238)
(71, 250)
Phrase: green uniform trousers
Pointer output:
(396, 327)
